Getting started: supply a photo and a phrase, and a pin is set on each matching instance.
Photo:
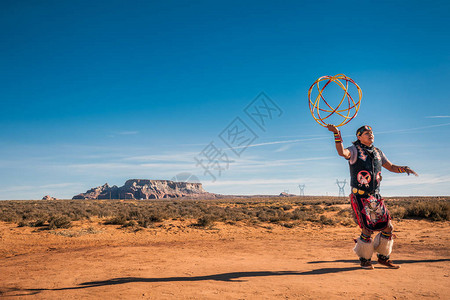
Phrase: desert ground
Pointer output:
(175, 260)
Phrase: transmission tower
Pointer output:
(302, 189)
(341, 185)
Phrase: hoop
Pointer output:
(352, 105)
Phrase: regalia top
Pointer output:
(365, 170)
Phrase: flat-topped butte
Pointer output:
(145, 189)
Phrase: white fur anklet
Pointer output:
(383, 245)
(363, 249)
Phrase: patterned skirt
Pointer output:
(370, 212)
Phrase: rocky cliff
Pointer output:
(146, 189)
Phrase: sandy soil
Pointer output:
(175, 261)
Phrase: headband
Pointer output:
(362, 129)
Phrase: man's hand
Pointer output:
(332, 128)
(407, 170)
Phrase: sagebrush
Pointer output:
(144, 213)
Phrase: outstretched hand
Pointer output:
(332, 128)
(409, 171)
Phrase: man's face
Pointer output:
(366, 138)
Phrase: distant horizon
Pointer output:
(249, 196)
(227, 195)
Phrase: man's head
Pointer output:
(365, 135)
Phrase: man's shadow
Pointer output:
(224, 277)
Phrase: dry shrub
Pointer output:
(23, 223)
(131, 223)
(435, 211)
(286, 207)
(299, 214)
(397, 212)
(273, 215)
(147, 221)
(205, 221)
(38, 223)
(347, 222)
(289, 225)
(326, 221)
(59, 221)
(116, 220)
(144, 213)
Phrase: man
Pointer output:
(370, 212)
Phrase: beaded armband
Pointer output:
(401, 169)
(337, 137)
(386, 235)
(365, 238)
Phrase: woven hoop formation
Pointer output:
(347, 113)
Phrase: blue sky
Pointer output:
(105, 91)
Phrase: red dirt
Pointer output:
(175, 261)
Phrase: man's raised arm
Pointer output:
(338, 142)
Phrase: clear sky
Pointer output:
(105, 91)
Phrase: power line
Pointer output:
(302, 189)
(341, 185)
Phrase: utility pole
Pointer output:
(302, 189)
(341, 185)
